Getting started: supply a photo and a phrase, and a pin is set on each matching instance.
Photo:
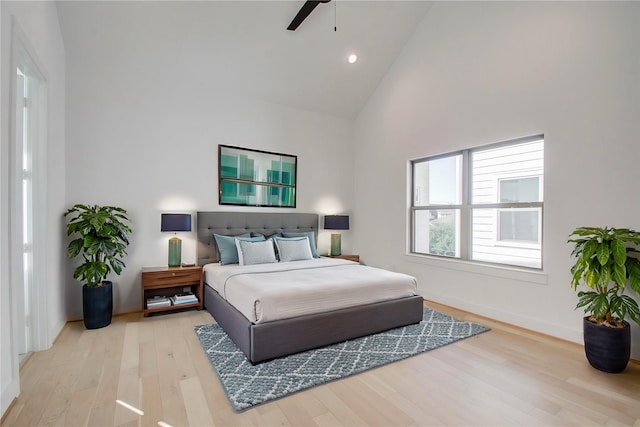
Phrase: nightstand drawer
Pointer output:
(161, 278)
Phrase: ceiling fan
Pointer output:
(305, 10)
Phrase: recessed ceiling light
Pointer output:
(353, 58)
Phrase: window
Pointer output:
(482, 204)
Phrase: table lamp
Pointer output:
(175, 223)
(336, 222)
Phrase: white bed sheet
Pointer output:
(268, 292)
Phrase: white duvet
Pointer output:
(268, 292)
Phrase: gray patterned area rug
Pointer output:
(247, 385)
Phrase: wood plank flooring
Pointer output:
(508, 376)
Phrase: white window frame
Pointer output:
(24, 57)
(467, 207)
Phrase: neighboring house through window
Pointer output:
(482, 204)
(525, 224)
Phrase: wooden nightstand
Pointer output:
(167, 281)
(354, 258)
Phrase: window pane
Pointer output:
(520, 190)
(522, 228)
(437, 232)
(438, 181)
(490, 167)
(519, 225)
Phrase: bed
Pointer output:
(265, 339)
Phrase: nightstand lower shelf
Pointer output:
(148, 311)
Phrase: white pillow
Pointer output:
(250, 253)
(293, 249)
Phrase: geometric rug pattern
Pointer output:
(247, 385)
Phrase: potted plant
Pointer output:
(607, 260)
(101, 239)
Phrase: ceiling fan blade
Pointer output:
(304, 11)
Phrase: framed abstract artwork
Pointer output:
(249, 177)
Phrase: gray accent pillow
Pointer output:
(293, 249)
(312, 240)
(257, 252)
(227, 246)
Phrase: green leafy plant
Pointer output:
(102, 237)
(607, 259)
(442, 237)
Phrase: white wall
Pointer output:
(481, 72)
(147, 140)
(39, 24)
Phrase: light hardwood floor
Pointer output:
(507, 376)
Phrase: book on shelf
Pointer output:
(184, 296)
(158, 301)
(159, 304)
(175, 301)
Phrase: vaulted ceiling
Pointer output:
(245, 47)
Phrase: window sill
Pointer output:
(523, 275)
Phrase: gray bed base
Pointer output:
(265, 341)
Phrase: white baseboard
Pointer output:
(534, 324)
(9, 393)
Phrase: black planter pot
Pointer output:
(97, 305)
(607, 349)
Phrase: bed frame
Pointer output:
(264, 341)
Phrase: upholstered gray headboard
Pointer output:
(233, 223)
